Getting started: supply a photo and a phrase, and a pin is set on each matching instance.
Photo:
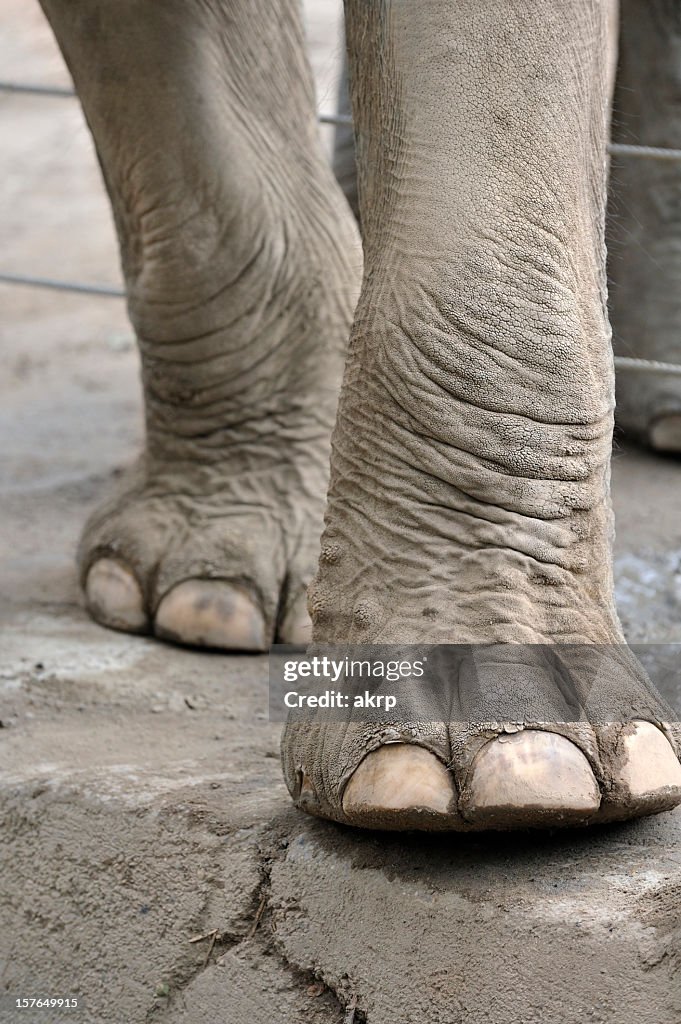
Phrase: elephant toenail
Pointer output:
(527, 778)
(396, 780)
(664, 433)
(650, 769)
(114, 597)
(211, 613)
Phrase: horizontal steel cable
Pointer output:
(644, 152)
(37, 90)
(647, 365)
(63, 286)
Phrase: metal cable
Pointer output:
(37, 90)
(647, 365)
(340, 119)
(63, 286)
(644, 152)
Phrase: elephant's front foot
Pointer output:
(241, 293)
(207, 556)
(212, 538)
(463, 777)
(530, 736)
(469, 506)
(529, 778)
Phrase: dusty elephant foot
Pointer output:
(438, 545)
(469, 499)
(530, 778)
(452, 521)
(242, 265)
(214, 559)
(212, 538)
(592, 746)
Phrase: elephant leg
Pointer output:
(644, 223)
(242, 266)
(469, 496)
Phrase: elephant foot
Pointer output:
(449, 777)
(242, 265)
(510, 750)
(211, 539)
(528, 779)
(472, 510)
(649, 409)
(644, 222)
(208, 558)
(664, 433)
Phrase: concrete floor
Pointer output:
(142, 800)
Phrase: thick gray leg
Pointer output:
(469, 494)
(241, 268)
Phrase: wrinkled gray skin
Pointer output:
(469, 491)
(241, 265)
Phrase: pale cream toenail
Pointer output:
(114, 597)
(664, 433)
(296, 627)
(528, 775)
(650, 765)
(211, 613)
(399, 777)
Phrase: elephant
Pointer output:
(439, 394)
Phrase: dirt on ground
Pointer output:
(152, 865)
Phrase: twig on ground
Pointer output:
(201, 938)
(214, 937)
(256, 920)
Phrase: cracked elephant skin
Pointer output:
(468, 496)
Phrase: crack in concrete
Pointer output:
(259, 938)
(181, 980)
(304, 975)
